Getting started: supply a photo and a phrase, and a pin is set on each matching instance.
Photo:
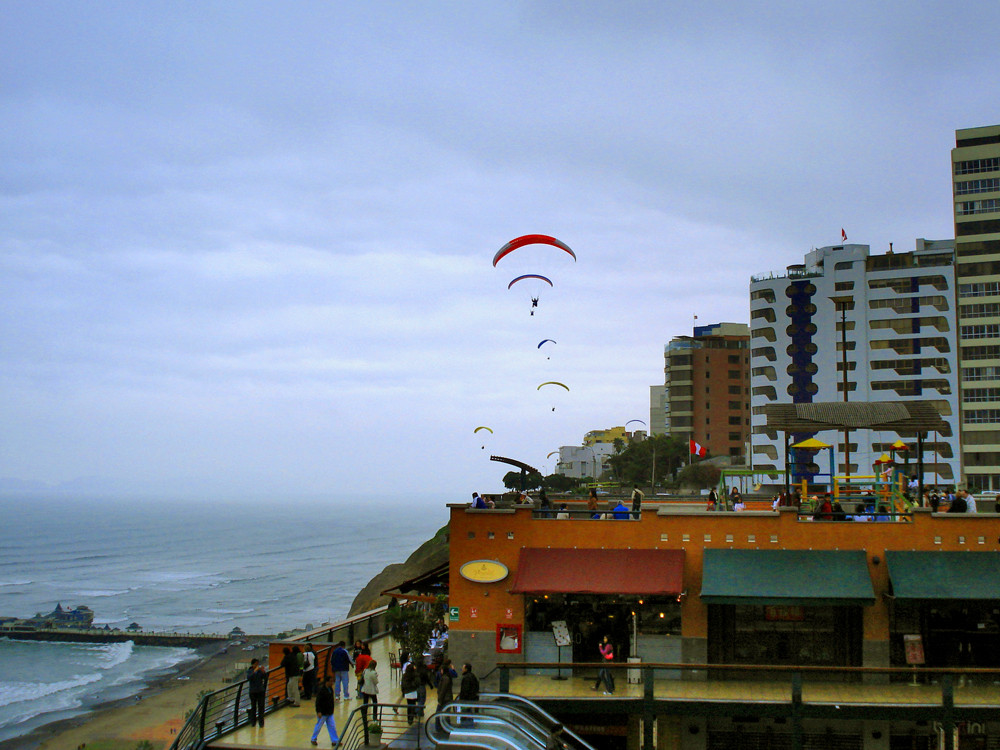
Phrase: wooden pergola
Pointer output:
(905, 418)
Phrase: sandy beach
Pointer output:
(156, 717)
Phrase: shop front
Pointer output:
(575, 597)
(786, 607)
(945, 608)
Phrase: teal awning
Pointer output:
(944, 575)
(793, 577)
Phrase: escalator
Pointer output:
(499, 722)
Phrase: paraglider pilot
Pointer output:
(534, 304)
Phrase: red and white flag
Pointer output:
(698, 450)
(843, 235)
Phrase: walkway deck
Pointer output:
(292, 727)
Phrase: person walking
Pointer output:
(408, 687)
(257, 691)
(292, 674)
(324, 712)
(340, 665)
(369, 687)
(308, 672)
(607, 652)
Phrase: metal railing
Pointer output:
(378, 724)
(944, 696)
(225, 710)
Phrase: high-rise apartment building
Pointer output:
(889, 318)
(976, 187)
(706, 391)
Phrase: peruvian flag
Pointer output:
(698, 450)
(843, 235)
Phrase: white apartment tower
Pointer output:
(976, 186)
(896, 313)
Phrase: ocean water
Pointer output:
(179, 567)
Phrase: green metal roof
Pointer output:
(804, 577)
(944, 575)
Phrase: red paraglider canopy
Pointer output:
(529, 276)
(530, 239)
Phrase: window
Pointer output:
(734, 374)
(977, 395)
(735, 437)
(991, 330)
(977, 186)
(968, 208)
(980, 310)
(979, 289)
(970, 374)
(975, 166)
(735, 389)
(734, 420)
(735, 405)
(970, 353)
(844, 265)
(843, 286)
(979, 247)
(765, 294)
(981, 416)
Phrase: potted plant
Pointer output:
(374, 734)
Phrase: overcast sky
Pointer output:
(246, 247)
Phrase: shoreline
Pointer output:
(161, 702)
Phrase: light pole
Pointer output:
(842, 304)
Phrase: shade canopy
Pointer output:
(789, 577)
(944, 575)
(638, 572)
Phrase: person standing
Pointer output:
(445, 691)
(544, 504)
(592, 503)
(958, 504)
(369, 687)
(257, 690)
(340, 665)
(308, 672)
(604, 674)
(970, 501)
(291, 667)
(713, 499)
(637, 498)
(324, 712)
(468, 689)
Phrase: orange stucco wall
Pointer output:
(500, 534)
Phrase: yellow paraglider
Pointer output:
(552, 382)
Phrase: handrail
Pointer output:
(393, 725)
(226, 709)
(786, 668)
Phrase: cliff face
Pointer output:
(426, 557)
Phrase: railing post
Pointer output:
(203, 709)
(236, 705)
(796, 710)
(648, 717)
(948, 704)
(504, 680)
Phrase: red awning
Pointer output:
(600, 571)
